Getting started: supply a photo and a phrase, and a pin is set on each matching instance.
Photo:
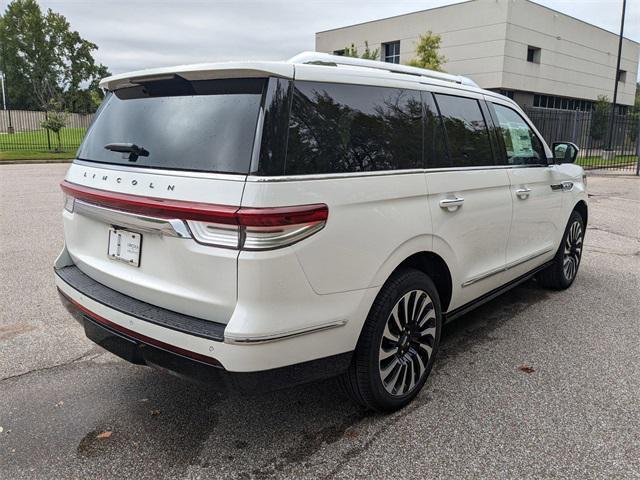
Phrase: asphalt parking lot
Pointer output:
(574, 414)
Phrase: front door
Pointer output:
(537, 205)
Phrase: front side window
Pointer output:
(466, 129)
(522, 145)
(338, 128)
(392, 52)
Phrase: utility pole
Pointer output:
(615, 77)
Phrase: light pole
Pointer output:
(4, 99)
(615, 85)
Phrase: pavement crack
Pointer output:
(89, 355)
(601, 229)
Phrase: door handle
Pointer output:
(452, 204)
(523, 193)
(562, 187)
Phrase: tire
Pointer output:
(390, 348)
(564, 269)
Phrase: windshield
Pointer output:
(205, 125)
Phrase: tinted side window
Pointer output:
(522, 145)
(435, 147)
(467, 133)
(277, 101)
(336, 128)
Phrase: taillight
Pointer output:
(243, 228)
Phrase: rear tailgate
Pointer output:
(178, 274)
(161, 154)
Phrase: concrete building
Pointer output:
(531, 53)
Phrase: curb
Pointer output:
(26, 161)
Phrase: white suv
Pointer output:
(264, 224)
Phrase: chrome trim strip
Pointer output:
(381, 173)
(140, 223)
(508, 266)
(234, 177)
(274, 337)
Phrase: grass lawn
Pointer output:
(599, 162)
(36, 155)
(33, 145)
(37, 139)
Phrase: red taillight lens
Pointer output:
(246, 228)
(151, 206)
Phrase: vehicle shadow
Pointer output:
(163, 426)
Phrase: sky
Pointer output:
(135, 34)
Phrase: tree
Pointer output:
(600, 118)
(427, 53)
(368, 54)
(637, 102)
(55, 122)
(45, 61)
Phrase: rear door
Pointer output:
(469, 198)
(162, 161)
(537, 207)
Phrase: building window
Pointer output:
(561, 103)
(506, 93)
(339, 53)
(391, 52)
(533, 54)
(622, 76)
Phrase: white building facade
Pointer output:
(533, 54)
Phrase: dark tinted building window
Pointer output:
(391, 52)
(466, 129)
(206, 125)
(336, 128)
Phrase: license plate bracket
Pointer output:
(125, 246)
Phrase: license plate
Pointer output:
(125, 246)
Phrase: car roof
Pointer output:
(316, 66)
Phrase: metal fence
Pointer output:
(22, 130)
(590, 131)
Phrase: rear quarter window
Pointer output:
(337, 128)
(206, 125)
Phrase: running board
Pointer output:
(453, 314)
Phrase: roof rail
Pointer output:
(317, 58)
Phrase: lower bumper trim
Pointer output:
(142, 350)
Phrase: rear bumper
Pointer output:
(194, 348)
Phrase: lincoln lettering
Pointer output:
(133, 182)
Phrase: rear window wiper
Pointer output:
(132, 149)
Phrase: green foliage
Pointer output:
(637, 102)
(352, 51)
(427, 53)
(56, 120)
(600, 118)
(45, 61)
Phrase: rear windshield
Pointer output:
(206, 125)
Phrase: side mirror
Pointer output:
(565, 152)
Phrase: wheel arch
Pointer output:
(433, 265)
(582, 209)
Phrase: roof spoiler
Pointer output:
(316, 58)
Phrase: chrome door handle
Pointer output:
(452, 204)
(523, 193)
(562, 187)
